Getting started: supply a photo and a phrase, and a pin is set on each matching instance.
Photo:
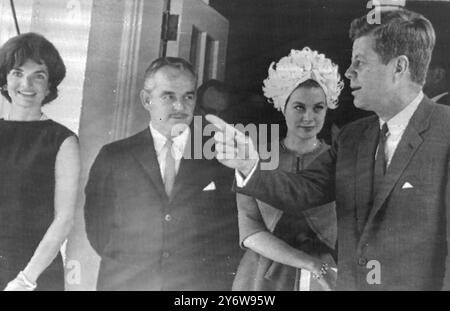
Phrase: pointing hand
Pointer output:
(233, 148)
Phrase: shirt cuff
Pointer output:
(241, 182)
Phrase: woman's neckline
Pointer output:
(42, 118)
(24, 121)
(315, 148)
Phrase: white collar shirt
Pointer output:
(397, 126)
(178, 146)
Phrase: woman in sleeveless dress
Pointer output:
(285, 252)
(39, 168)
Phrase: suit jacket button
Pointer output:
(168, 217)
(166, 255)
(362, 261)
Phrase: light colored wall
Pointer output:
(124, 39)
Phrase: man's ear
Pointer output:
(401, 65)
(145, 99)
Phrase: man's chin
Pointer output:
(179, 125)
(359, 104)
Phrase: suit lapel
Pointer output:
(192, 173)
(409, 144)
(193, 176)
(145, 154)
(364, 172)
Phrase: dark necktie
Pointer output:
(380, 161)
(169, 171)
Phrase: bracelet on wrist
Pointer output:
(323, 271)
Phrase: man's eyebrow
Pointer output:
(358, 55)
(167, 93)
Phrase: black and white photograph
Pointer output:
(216, 148)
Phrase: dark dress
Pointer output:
(27, 187)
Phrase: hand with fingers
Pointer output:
(233, 148)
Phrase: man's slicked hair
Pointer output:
(401, 32)
(174, 62)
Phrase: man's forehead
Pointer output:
(172, 73)
(363, 46)
(172, 76)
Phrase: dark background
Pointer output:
(263, 31)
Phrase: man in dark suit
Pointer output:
(388, 173)
(159, 215)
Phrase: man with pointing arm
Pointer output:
(389, 173)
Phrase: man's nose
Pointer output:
(349, 73)
(178, 105)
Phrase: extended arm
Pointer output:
(292, 192)
(67, 169)
(255, 235)
(269, 246)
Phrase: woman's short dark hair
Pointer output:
(32, 46)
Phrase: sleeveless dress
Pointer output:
(28, 152)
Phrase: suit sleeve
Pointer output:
(293, 192)
(99, 208)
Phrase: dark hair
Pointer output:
(212, 83)
(401, 32)
(174, 62)
(308, 84)
(32, 46)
